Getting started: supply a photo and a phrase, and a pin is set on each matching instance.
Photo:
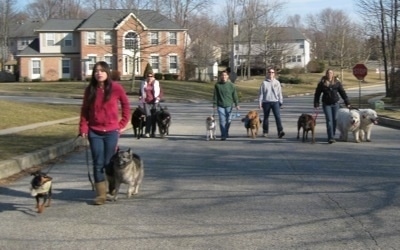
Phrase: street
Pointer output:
(242, 193)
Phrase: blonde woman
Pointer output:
(330, 87)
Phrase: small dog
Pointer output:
(128, 169)
(307, 122)
(210, 128)
(138, 121)
(252, 123)
(163, 118)
(41, 188)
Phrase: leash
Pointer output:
(87, 163)
(316, 114)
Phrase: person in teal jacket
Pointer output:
(225, 97)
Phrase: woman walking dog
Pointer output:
(100, 122)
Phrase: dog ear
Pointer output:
(129, 150)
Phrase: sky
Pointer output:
(292, 7)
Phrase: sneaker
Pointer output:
(147, 135)
(223, 139)
(331, 141)
(265, 134)
(281, 134)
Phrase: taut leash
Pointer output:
(87, 163)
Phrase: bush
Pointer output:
(295, 80)
(170, 76)
(316, 66)
(64, 79)
(158, 76)
(284, 71)
(37, 80)
(284, 79)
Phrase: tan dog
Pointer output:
(307, 122)
(252, 123)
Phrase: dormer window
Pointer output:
(50, 39)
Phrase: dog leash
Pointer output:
(87, 162)
(316, 114)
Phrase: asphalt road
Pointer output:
(263, 193)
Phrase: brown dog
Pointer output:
(307, 122)
(252, 123)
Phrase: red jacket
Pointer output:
(104, 116)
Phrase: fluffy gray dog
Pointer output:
(128, 169)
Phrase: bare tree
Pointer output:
(64, 9)
(7, 12)
(383, 17)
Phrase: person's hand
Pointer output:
(237, 107)
(84, 136)
(348, 106)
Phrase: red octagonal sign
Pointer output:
(360, 71)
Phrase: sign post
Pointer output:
(360, 71)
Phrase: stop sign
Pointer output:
(360, 71)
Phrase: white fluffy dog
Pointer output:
(368, 117)
(210, 128)
(348, 120)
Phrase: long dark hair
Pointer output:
(93, 84)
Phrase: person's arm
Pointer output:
(261, 95)
(343, 94)
(317, 95)
(280, 96)
(125, 108)
(157, 90)
(84, 115)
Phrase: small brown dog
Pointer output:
(307, 122)
(41, 188)
(252, 123)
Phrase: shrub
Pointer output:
(284, 71)
(37, 80)
(64, 79)
(158, 76)
(295, 80)
(316, 66)
(168, 76)
(284, 79)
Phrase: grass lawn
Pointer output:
(18, 114)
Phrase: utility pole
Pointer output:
(235, 33)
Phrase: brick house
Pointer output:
(126, 39)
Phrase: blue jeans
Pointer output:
(267, 106)
(103, 147)
(330, 112)
(224, 114)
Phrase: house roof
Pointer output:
(107, 19)
(276, 34)
(25, 29)
(60, 25)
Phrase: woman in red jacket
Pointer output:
(101, 124)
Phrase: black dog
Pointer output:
(41, 188)
(163, 118)
(138, 121)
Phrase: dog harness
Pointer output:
(42, 189)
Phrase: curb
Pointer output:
(20, 163)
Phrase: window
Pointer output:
(36, 67)
(107, 37)
(91, 36)
(92, 62)
(173, 38)
(109, 60)
(50, 39)
(66, 66)
(155, 63)
(298, 58)
(301, 46)
(173, 64)
(131, 41)
(154, 38)
(67, 39)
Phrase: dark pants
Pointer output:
(275, 107)
(103, 147)
(150, 109)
